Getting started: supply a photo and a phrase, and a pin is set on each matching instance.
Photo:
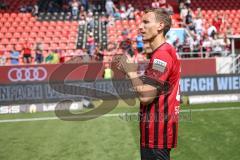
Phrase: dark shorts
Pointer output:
(27, 55)
(140, 49)
(155, 154)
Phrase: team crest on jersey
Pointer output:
(159, 65)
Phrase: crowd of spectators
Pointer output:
(162, 4)
(74, 6)
(4, 5)
(24, 8)
(207, 38)
(30, 55)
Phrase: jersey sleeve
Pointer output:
(158, 71)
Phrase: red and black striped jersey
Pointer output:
(159, 119)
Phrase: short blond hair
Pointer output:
(161, 15)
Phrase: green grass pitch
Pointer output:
(207, 135)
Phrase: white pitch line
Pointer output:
(116, 114)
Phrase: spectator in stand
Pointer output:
(14, 56)
(130, 12)
(39, 46)
(206, 46)
(186, 47)
(199, 12)
(169, 9)
(189, 17)
(195, 45)
(108, 73)
(82, 20)
(122, 11)
(82, 11)
(98, 53)
(216, 46)
(188, 3)
(62, 56)
(198, 23)
(155, 4)
(211, 31)
(23, 9)
(126, 46)
(139, 41)
(111, 21)
(162, 3)
(189, 23)
(75, 7)
(49, 58)
(53, 58)
(39, 56)
(217, 22)
(65, 6)
(27, 54)
(90, 20)
(177, 44)
(226, 44)
(51, 7)
(109, 6)
(35, 10)
(29, 8)
(90, 44)
(191, 28)
(117, 14)
(3, 58)
(4, 5)
(125, 33)
(104, 20)
(181, 6)
(184, 13)
(229, 30)
(97, 6)
(85, 4)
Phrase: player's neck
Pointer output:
(157, 41)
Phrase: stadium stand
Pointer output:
(227, 8)
(20, 28)
(56, 29)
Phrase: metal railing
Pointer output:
(202, 54)
(237, 64)
(234, 64)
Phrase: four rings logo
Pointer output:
(27, 74)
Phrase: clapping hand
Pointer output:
(125, 64)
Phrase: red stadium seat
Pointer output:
(18, 47)
(46, 46)
(8, 35)
(47, 40)
(9, 47)
(63, 46)
(13, 41)
(16, 35)
(4, 41)
(32, 34)
(71, 46)
(2, 47)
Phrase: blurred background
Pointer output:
(41, 41)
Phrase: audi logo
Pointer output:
(27, 74)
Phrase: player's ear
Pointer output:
(160, 26)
